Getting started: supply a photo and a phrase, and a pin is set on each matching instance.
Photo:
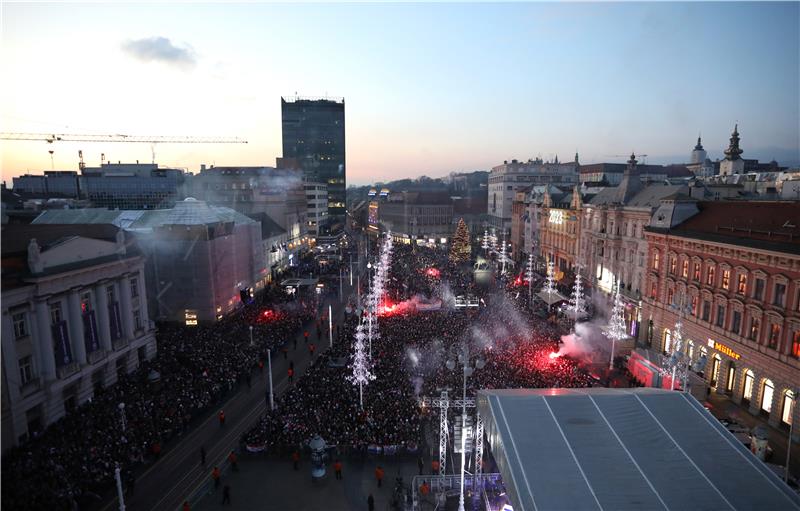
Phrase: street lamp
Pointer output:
(120, 495)
(463, 358)
(269, 369)
(791, 430)
(251, 335)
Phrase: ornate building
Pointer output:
(731, 271)
(560, 228)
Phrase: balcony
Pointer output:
(68, 370)
(96, 356)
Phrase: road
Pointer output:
(178, 474)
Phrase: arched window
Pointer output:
(766, 396)
(786, 411)
(667, 340)
(715, 363)
(690, 344)
(749, 379)
(731, 378)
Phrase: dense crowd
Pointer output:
(409, 362)
(71, 463)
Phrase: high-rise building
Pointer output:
(313, 135)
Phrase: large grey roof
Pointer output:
(649, 196)
(622, 449)
(187, 212)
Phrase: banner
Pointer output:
(63, 353)
(90, 337)
(114, 321)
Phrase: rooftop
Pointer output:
(622, 449)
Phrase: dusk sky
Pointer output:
(429, 89)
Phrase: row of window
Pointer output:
(757, 289)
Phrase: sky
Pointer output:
(429, 89)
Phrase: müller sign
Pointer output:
(723, 349)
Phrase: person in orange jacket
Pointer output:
(296, 460)
(186, 506)
(424, 490)
(337, 468)
(379, 475)
(290, 373)
(234, 461)
(435, 467)
(221, 416)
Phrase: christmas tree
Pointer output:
(460, 248)
(616, 325)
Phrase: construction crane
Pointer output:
(139, 139)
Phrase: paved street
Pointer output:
(178, 474)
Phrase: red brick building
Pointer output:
(733, 268)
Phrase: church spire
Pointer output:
(699, 146)
(733, 152)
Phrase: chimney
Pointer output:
(202, 167)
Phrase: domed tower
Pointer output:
(698, 154)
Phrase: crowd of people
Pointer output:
(409, 362)
(71, 463)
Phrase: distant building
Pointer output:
(75, 317)
(53, 183)
(275, 246)
(611, 174)
(198, 256)
(560, 228)
(317, 215)
(423, 216)
(730, 271)
(314, 135)
(131, 186)
(510, 177)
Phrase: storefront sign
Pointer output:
(191, 318)
(723, 349)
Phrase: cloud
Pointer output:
(160, 49)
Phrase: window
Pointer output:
(706, 310)
(731, 378)
(742, 285)
(787, 408)
(774, 335)
(755, 327)
(696, 272)
(655, 261)
(710, 274)
(641, 259)
(137, 319)
(780, 294)
(25, 370)
(766, 396)
(685, 269)
(694, 306)
(796, 344)
(758, 291)
(86, 302)
(736, 322)
(134, 287)
(749, 379)
(20, 325)
(670, 295)
(55, 313)
(110, 294)
(726, 279)
(721, 316)
(673, 265)
(653, 290)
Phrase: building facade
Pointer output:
(198, 257)
(412, 216)
(278, 192)
(317, 215)
(131, 186)
(731, 272)
(53, 183)
(75, 316)
(560, 229)
(314, 135)
(511, 177)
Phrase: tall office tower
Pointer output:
(313, 136)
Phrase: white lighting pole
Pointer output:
(251, 335)
(120, 495)
(269, 365)
(330, 324)
(123, 422)
(789, 440)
